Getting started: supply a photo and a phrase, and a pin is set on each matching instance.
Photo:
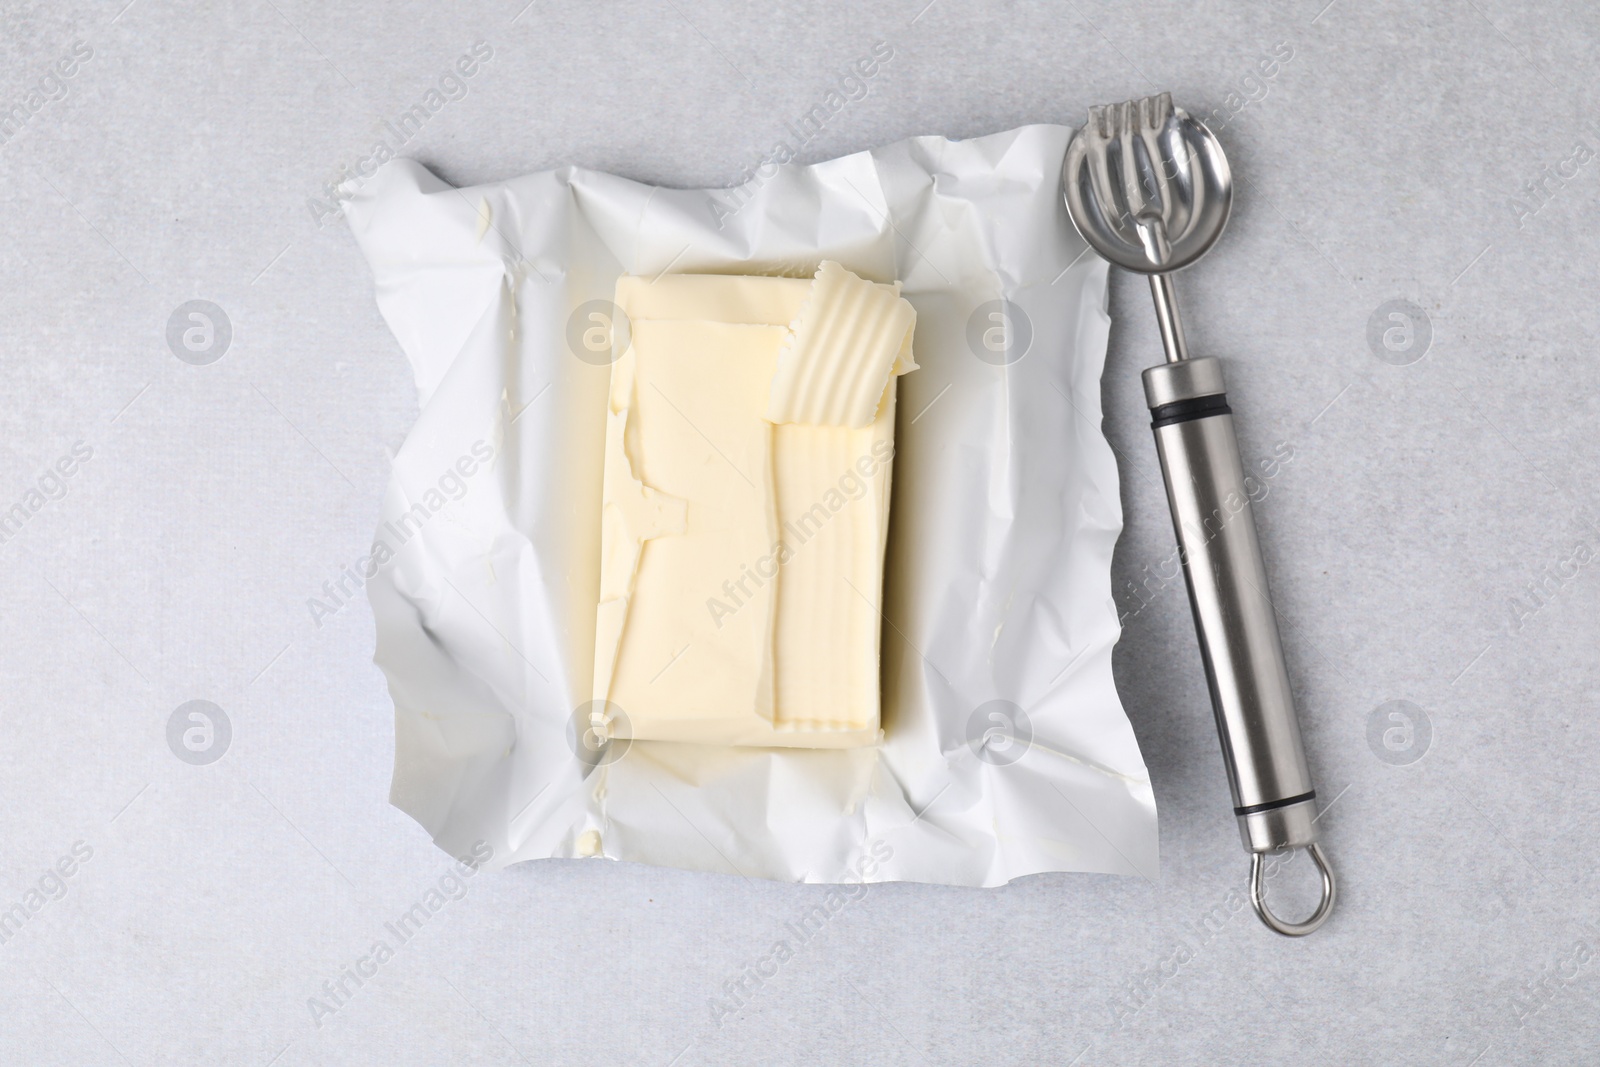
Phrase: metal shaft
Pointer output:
(1167, 318)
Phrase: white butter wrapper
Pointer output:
(1006, 751)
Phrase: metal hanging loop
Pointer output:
(1258, 900)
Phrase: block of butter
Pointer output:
(749, 442)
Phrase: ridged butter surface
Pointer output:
(745, 510)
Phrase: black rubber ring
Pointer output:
(1196, 407)
(1271, 804)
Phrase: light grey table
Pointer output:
(1431, 541)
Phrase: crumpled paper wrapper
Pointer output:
(1006, 751)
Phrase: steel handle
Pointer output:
(1273, 794)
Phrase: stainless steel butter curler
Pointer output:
(1149, 189)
